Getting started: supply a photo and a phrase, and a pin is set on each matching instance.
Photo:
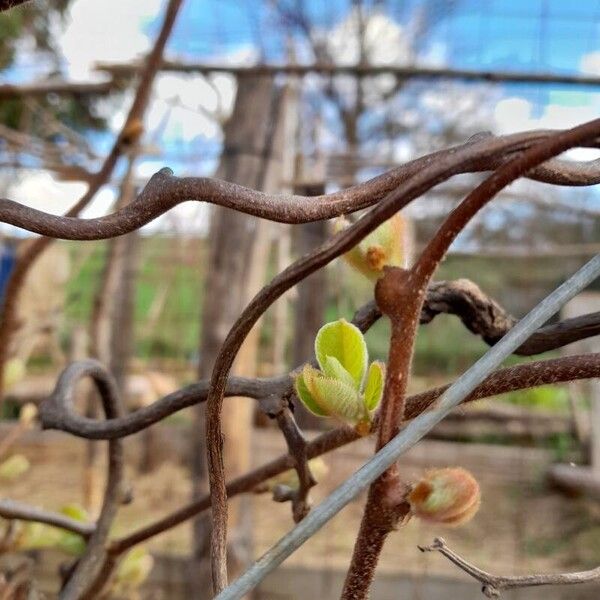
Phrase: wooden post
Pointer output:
(102, 330)
(583, 479)
(311, 299)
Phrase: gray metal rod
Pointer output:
(412, 433)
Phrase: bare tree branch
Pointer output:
(43, 88)
(494, 585)
(10, 509)
(298, 450)
(327, 68)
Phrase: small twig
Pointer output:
(297, 448)
(10, 509)
(494, 585)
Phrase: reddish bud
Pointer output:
(449, 496)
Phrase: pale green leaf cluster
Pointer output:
(345, 386)
(35, 536)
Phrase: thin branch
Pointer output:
(43, 88)
(10, 509)
(91, 562)
(494, 585)
(298, 450)
(411, 434)
(331, 69)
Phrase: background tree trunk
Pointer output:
(237, 263)
(311, 300)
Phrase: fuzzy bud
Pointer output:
(386, 246)
(448, 496)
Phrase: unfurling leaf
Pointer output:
(386, 246)
(448, 496)
(340, 389)
(34, 536)
(75, 511)
(374, 385)
(337, 398)
(305, 395)
(70, 543)
(333, 368)
(344, 342)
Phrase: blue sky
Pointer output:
(521, 35)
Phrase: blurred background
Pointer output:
(296, 96)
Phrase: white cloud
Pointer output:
(590, 63)
(40, 190)
(105, 31)
(385, 41)
(516, 114)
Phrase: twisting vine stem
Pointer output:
(514, 156)
(422, 181)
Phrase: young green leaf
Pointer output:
(75, 511)
(71, 543)
(338, 398)
(333, 368)
(304, 394)
(343, 341)
(374, 385)
(33, 536)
